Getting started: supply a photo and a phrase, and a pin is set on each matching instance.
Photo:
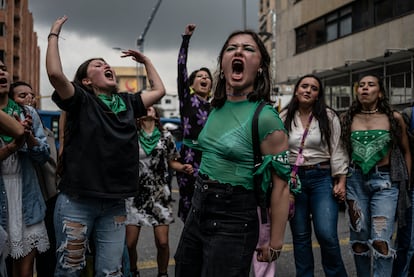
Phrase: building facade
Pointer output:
(338, 40)
(18, 43)
(130, 79)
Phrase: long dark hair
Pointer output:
(383, 106)
(82, 73)
(262, 82)
(319, 110)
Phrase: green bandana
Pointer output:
(369, 147)
(114, 102)
(149, 141)
(11, 109)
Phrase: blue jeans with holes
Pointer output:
(372, 202)
(78, 219)
(405, 243)
(220, 233)
(316, 204)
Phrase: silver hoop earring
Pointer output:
(221, 75)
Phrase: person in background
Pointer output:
(100, 158)
(9, 126)
(152, 205)
(221, 231)
(377, 144)
(193, 93)
(23, 211)
(22, 93)
(319, 160)
(405, 233)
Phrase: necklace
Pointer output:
(369, 111)
(238, 94)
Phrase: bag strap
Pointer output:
(299, 159)
(411, 120)
(257, 180)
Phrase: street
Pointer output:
(284, 266)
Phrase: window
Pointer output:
(352, 18)
(2, 29)
(2, 4)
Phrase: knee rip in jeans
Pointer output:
(119, 220)
(381, 249)
(355, 215)
(360, 248)
(74, 248)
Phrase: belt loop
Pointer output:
(229, 188)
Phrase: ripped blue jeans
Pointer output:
(78, 219)
(371, 203)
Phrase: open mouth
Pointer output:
(203, 84)
(237, 66)
(3, 81)
(108, 74)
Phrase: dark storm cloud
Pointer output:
(119, 23)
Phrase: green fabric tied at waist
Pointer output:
(281, 166)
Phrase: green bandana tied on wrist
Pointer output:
(280, 164)
(149, 141)
(113, 102)
(11, 109)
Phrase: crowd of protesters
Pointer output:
(115, 159)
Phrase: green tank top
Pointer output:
(226, 141)
(369, 147)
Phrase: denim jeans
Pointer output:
(220, 233)
(76, 220)
(405, 243)
(372, 200)
(316, 204)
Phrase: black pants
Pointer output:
(220, 234)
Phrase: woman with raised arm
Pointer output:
(100, 158)
(221, 231)
(193, 93)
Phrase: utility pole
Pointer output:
(140, 45)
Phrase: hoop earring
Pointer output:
(221, 75)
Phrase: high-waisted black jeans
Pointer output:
(220, 234)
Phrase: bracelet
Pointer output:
(274, 254)
(52, 35)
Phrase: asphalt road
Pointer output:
(285, 264)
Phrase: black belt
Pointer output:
(322, 165)
(207, 183)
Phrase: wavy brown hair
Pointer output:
(383, 106)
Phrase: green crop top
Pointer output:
(369, 147)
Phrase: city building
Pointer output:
(18, 43)
(130, 81)
(338, 40)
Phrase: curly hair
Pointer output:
(319, 110)
(383, 106)
(262, 82)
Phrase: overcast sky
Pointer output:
(94, 27)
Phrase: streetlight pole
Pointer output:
(140, 45)
(244, 14)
